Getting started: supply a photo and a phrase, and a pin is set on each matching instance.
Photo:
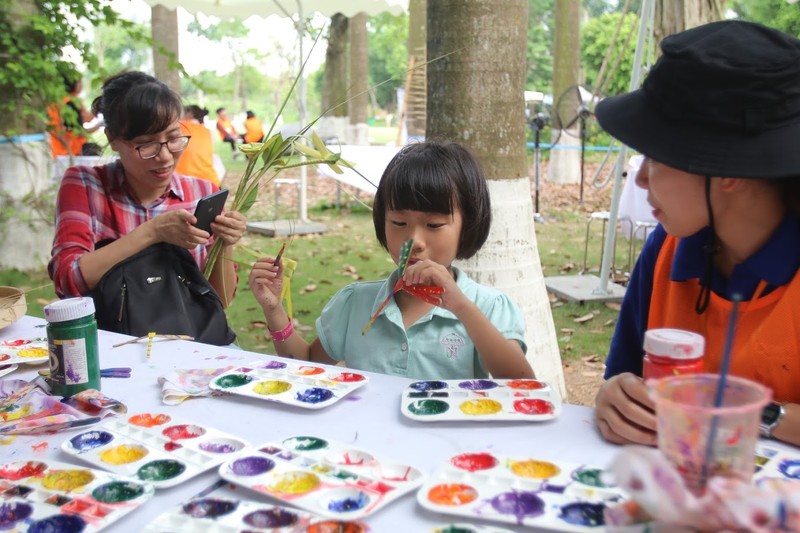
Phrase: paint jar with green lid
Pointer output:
(72, 341)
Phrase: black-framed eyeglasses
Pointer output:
(152, 149)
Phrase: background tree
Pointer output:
(539, 63)
(596, 36)
(416, 100)
(334, 89)
(673, 16)
(164, 24)
(475, 97)
(117, 51)
(359, 79)
(387, 56)
(778, 14)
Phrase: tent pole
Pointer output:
(646, 19)
(301, 86)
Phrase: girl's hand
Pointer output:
(624, 411)
(266, 282)
(175, 227)
(229, 227)
(427, 272)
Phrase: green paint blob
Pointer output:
(233, 380)
(455, 529)
(590, 476)
(117, 491)
(428, 407)
(304, 444)
(160, 470)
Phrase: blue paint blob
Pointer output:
(90, 440)
(58, 523)
(790, 468)
(346, 505)
(519, 504)
(271, 518)
(209, 508)
(478, 384)
(583, 514)
(252, 466)
(273, 365)
(314, 395)
(11, 513)
(428, 385)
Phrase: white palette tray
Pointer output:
(302, 385)
(24, 351)
(523, 491)
(53, 496)
(487, 400)
(156, 448)
(331, 479)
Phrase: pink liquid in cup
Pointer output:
(686, 415)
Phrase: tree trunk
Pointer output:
(164, 27)
(335, 82)
(564, 164)
(673, 16)
(476, 98)
(416, 99)
(359, 82)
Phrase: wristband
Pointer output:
(283, 334)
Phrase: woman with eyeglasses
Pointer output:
(138, 200)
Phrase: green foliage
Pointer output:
(119, 50)
(387, 56)
(539, 74)
(596, 37)
(777, 14)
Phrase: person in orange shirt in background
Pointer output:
(67, 134)
(198, 156)
(254, 131)
(226, 130)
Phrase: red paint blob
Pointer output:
(474, 461)
(16, 342)
(3, 357)
(348, 377)
(526, 384)
(31, 468)
(172, 446)
(530, 406)
(183, 431)
(146, 420)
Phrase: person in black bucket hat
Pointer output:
(718, 121)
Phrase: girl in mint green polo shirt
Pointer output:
(436, 195)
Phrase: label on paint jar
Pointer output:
(672, 352)
(71, 356)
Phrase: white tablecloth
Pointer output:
(370, 161)
(369, 419)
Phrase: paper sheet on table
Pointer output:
(179, 385)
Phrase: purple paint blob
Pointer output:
(72, 375)
(583, 514)
(221, 446)
(314, 395)
(209, 508)
(252, 466)
(519, 504)
(270, 518)
(270, 450)
(11, 513)
(90, 440)
(478, 384)
(58, 523)
(428, 385)
(273, 365)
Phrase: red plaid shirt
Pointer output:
(95, 203)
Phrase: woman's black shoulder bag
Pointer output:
(161, 289)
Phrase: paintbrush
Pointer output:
(280, 254)
(719, 394)
(150, 343)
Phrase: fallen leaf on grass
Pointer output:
(308, 288)
(609, 322)
(258, 324)
(568, 331)
(567, 267)
(585, 318)
(594, 358)
(614, 306)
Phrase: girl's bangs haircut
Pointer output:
(420, 185)
(150, 108)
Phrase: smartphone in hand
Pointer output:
(209, 208)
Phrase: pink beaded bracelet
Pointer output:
(283, 334)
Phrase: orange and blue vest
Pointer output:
(664, 289)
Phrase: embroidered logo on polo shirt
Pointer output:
(452, 342)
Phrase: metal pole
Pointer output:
(645, 22)
(301, 86)
(536, 170)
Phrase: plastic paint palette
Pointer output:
(302, 385)
(228, 515)
(772, 463)
(469, 528)
(49, 496)
(523, 491)
(519, 400)
(7, 369)
(333, 480)
(156, 448)
(24, 351)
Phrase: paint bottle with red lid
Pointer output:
(672, 352)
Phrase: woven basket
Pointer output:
(12, 305)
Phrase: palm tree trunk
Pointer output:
(476, 98)
(416, 98)
(358, 79)
(164, 26)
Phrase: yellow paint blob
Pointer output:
(123, 454)
(295, 483)
(321, 468)
(21, 412)
(534, 469)
(481, 407)
(67, 480)
(33, 353)
(271, 387)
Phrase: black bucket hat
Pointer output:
(722, 100)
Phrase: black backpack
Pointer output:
(161, 289)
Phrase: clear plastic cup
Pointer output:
(702, 440)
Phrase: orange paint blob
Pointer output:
(146, 420)
(452, 494)
(309, 370)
